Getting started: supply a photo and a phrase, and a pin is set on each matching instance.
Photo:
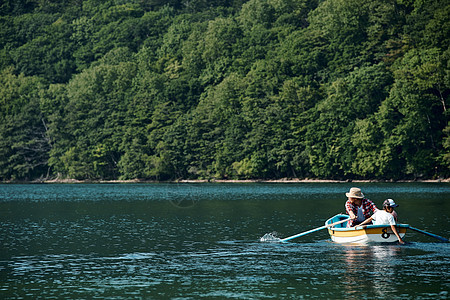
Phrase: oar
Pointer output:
(313, 230)
(443, 239)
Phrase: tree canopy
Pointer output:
(243, 89)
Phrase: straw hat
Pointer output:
(355, 193)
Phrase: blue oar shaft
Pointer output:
(443, 239)
(313, 230)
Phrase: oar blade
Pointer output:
(442, 239)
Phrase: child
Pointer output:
(385, 217)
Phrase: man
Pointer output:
(385, 217)
(358, 208)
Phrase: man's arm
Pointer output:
(348, 208)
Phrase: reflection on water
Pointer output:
(379, 263)
(385, 258)
(386, 271)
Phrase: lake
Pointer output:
(201, 241)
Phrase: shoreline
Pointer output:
(193, 181)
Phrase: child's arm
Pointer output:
(394, 229)
(366, 221)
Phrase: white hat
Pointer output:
(389, 202)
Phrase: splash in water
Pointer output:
(270, 238)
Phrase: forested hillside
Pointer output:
(178, 89)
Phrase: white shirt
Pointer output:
(382, 217)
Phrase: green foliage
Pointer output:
(164, 90)
(331, 143)
(24, 143)
(94, 118)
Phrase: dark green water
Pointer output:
(201, 241)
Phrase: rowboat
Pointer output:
(340, 233)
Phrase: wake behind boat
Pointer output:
(340, 233)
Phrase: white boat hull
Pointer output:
(363, 234)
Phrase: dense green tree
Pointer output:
(52, 103)
(12, 7)
(49, 55)
(94, 116)
(416, 114)
(344, 89)
(331, 146)
(216, 130)
(444, 157)
(218, 48)
(24, 142)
